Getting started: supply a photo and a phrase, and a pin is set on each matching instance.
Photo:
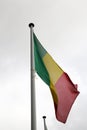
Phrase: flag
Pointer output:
(63, 91)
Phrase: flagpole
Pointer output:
(33, 103)
(44, 118)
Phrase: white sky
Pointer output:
(61, 26)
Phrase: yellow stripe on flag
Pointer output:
(53, 69)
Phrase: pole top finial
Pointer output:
(44, 117)
(31, 25)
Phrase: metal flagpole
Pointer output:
(45, 127)
(33, 104)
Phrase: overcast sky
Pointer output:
(61, 26)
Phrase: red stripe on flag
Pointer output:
(67, 93)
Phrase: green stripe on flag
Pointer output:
(39, 65)
(41, 50)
